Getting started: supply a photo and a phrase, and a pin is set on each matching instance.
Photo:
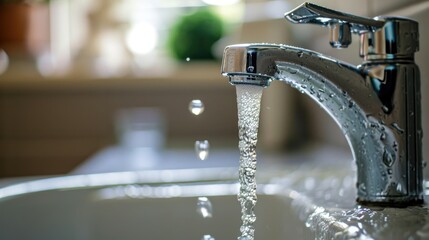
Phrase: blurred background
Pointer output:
(79, 78)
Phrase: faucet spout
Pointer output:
(375, 105)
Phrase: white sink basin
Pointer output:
(324, 199)
(299, 203)
(161, 208)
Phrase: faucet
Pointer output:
(376, 104)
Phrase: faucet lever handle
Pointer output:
(341, 24)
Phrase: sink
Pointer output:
(324, 200)
(152, 205)
(300, 201)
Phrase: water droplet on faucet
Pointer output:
(395, 146)
(204, 207)
(399, 187)
(250, 68)
(388, 159)
(320, 97)
(385, 109)
(362, 188)
(292, 71)
(196, 107)
(202, 149)
(397, 128)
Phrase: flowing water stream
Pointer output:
(248, 104)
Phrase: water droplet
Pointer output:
(188, 59)
(292, 71)
(420, 133)
(4, 61)
(395, 146)
(362, 188)
(250, 68)
(385, 109)
(389, 171)
(202, 149)
(331, 95)
(312, 89)
(382, 137)
(388, 159)
(204, 207)
(244, 238)
(351, 103)
(207, 237)
(319, 97)
(196, 107)
(397, 128)
(399, 187)
(300, 54)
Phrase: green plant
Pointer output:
(193, 35)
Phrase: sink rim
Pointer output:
(176, 176)
(218, 182)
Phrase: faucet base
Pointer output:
(392, 203)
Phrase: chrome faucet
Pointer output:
(376, 104)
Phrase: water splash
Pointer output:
(249, 102)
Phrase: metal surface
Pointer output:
(377, 104)
(380, 37)
(312, 13)
(398, 39)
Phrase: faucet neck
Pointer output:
(377, 105)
